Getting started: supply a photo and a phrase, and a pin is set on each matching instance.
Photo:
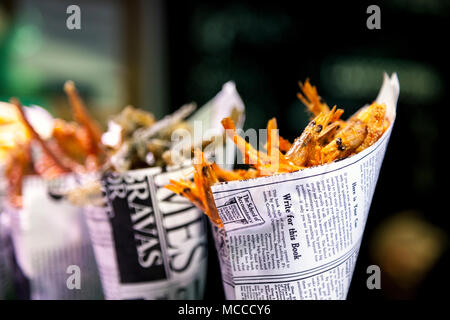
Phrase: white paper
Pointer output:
(221, 106)
(296, 236)
(49, 235)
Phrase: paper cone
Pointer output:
(6, 268)
(51, 243)
(296, 236)
(149, 242)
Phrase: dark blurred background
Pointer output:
(160, 54)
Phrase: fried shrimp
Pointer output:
(251, 156)
(306, 148)
(284, 144)
(274, 163)
(71, 140)
(188, 190)
(17, 168)
(93, 133)
(52, 149)
(52, 165)
(376, 125)
(362, 130)
(325, 139)
(346, 141)
(311, 99)
(204, 178)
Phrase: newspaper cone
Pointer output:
(52, 245)
(4, 262)
(296, 236)
(6, 285)
(149, 242)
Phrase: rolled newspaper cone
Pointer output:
(149, 242)
(51, 243)
(6, 251)
(6, 269)
(296, 236)
(4, 274)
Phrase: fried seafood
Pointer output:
(361, 131)
(135, 140)
(48, 162)
(68, 147)
(311, 98)
(306, 149)
(12, 131)
(17, 168)
(92, 131)
(325, 139)
(199, 192)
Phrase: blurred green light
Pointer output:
(27, 40)
(361, 77)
